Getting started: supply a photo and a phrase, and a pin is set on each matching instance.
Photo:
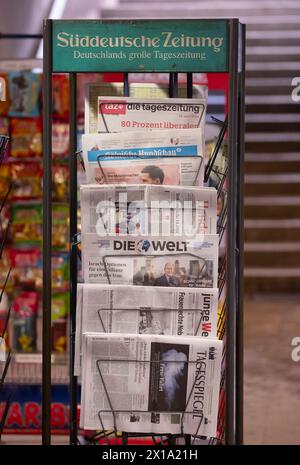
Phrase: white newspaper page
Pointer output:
(165, 262)
(139, 145)
(136, 310)
(136, 90)
(119, 114)
(173, 171)
(141, 209)
(154, 384)
(146, 209)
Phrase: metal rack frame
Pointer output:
(233, 267)
(114, 411)
(6, 363)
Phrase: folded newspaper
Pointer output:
(136, 310)
(146, 209)
(150, 384)
(167, 262)
(136, 90)
(139, 145)
(184, 171)
(118, 114)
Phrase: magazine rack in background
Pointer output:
(59, 56)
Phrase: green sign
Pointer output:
(138, 46)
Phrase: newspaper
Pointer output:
(151, 261)
(147, 209)
(137, 90)
(119, 114)
(139, 145)
(136, 310)
(184, 171)
(153, 384)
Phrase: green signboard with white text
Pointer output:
(140, 46)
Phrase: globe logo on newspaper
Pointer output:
(143, 246)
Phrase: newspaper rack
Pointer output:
(230, 60)
(220, 334)
(187, 437)
(114, 411)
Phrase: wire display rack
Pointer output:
(5, 357)
(228, 181)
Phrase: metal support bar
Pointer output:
(126, 85)
(20, 36)
(217, 147)
(73, 254)
(175, 85)
(47, 232)
(189, 85)
(240, 246)
(230, 429)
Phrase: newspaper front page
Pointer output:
(153, 384)
(119, 114)
(173, 171)
(145, 209)
(166, 262)
(136, 310)
(139, 145)
(136, 90)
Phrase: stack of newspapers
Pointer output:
(146, 321)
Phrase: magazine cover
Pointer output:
(139, 145)
(150, 384)
(151, 261)
(132, 309)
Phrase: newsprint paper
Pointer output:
(136, 310)
(173, 171)
(118, 114)
(150, 261)
(145, 209)
(137, 90)
(155, 384)
(139, 145)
